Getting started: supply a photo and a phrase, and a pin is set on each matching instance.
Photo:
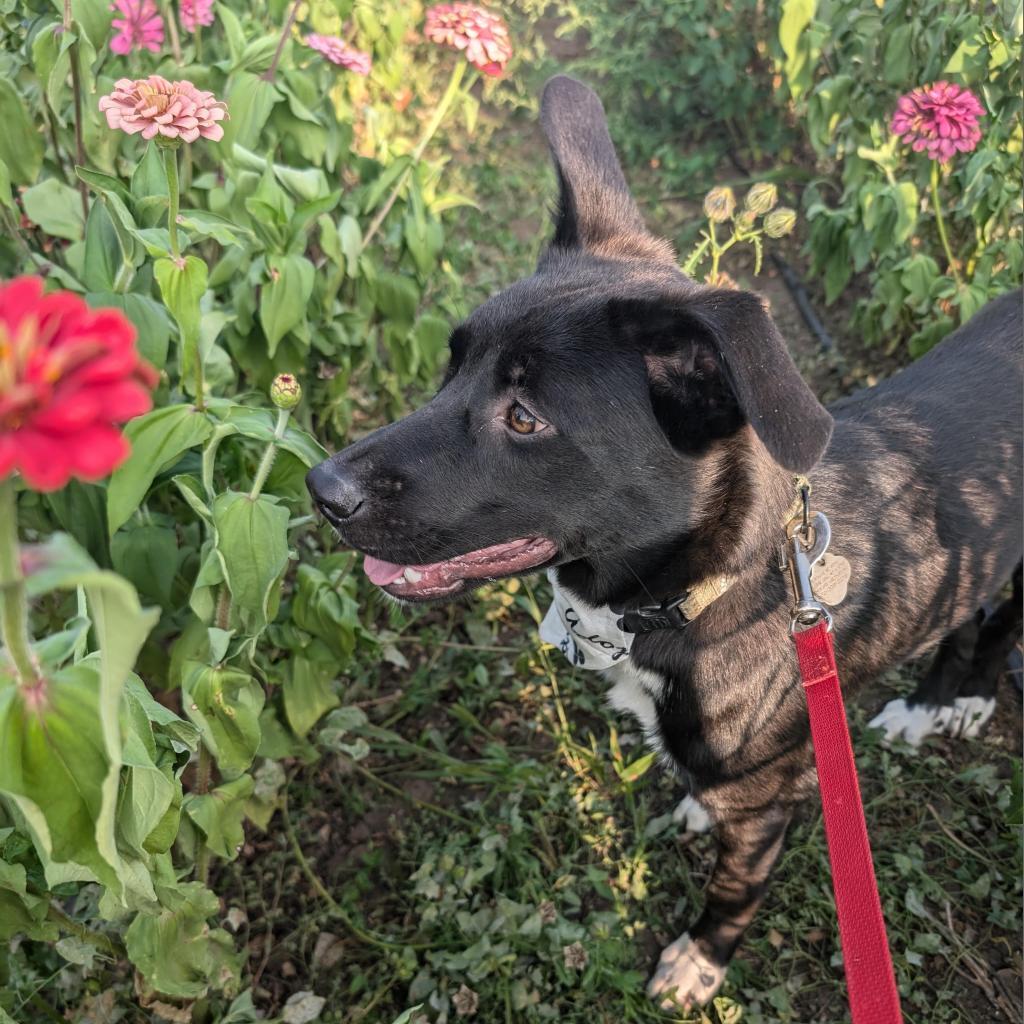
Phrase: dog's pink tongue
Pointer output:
(380, 572)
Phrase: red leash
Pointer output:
(870, 982)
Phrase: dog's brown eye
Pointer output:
(522, 421)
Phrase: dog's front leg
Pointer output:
(692, 968)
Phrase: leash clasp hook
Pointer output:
(807, 540)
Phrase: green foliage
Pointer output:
(308, 240)
(875, 211)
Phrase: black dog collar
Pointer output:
(675, 612)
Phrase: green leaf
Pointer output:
(22, 913)
(905, 196)
(898, 54)
(322, 607)
(6, 196)
(384, 181)
(397, 297)
(105, 184)
(225, 703)
(350, 236)
(158, 440)
(94, 16)
(796, 16)
(209, 225)
(219, 815)
(56, 208)
(252, 544)
(250, 100)
(308, 694)
(181, 287)
(259, 424)
(102, 251)
(148, 317)
(283, 300)
(176, 950)
(21, 144)
(147, 556)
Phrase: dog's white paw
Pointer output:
(911, 723)
(969, 716)
(691, 815)
(684, 977)
(914, 722)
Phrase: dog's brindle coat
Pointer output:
(675, 423)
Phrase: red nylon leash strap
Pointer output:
(870, 982)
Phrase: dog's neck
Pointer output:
(739, 514)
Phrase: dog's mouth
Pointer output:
(450, 577)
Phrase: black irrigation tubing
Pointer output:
(802, 302)
(795, 286)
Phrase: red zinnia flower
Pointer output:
(940, 118)
(481, 35)
(68, 375)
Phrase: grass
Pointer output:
(508, 846)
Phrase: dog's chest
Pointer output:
(590, 638)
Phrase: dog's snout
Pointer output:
(336, 491)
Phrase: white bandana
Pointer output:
(589, 637)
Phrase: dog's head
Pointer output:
(580, 407)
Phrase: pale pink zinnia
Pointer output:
(941, 119)
(154, 106)
(481, 35)
(337, 51)
(140, 26)
(194, 13)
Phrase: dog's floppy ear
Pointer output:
(694, 345)
(595, 209)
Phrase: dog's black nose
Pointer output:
(335, 490)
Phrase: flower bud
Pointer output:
(719, 204)
(761, 198)
(780, 222)
(286, 391)
(745, 220)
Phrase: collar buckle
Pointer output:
(650, 617)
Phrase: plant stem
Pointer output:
(13, 603)
(172, 29)
(171, 168)
(268, 75)
(458, 73)
(76, 91)
(715, 252)
(203, 770)
(269, 454)
(68, 924)
(940, 223)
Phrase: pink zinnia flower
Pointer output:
(154, 106)
(481, 35)
(941, 119)
(140, 26)
(337, 51)
(194, 13)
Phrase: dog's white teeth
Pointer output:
(412, 576)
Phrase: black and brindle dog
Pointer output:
(638, 433)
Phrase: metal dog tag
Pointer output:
(829, 578)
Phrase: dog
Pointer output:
(637, 434)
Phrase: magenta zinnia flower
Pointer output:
(482, 36)
(941, 119)
(194, 13)
(140, 26)
(154, 106)
(337, 51)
